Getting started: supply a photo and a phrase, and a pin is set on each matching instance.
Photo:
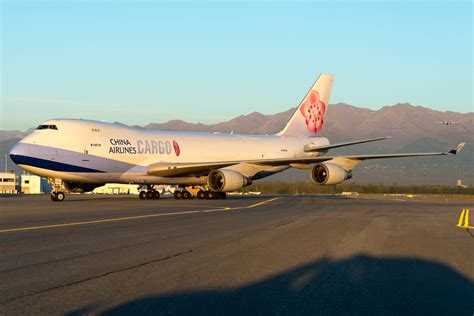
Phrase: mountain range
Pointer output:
(412, 128)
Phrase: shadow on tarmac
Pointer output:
(357, 285)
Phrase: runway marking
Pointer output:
(240, 207)
(222, 209)
(464, 219)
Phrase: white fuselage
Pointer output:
(97, 152)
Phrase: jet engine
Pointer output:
(329, 174)
(78, 187)
(225, 180)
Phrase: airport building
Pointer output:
(31, 184)
(117, 188)
(459, 184)
(7, 182)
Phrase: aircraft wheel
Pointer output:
(142, 195)
(186, 195)
(178, 195)
(222, 195)
(53, 196)
(200, 195)
(156, 195)
(149, 195)
(210, 195)
(60, 196)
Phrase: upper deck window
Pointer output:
(47, 127)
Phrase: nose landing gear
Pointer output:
(57, 195)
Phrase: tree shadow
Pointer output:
(356, 285)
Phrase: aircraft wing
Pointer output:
(186, 169)
(348, 162)
(313, 147)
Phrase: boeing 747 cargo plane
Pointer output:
(80, 155)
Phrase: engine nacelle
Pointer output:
(78, 187)
(329, 174)
(225, 180)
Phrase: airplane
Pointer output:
(447, 122)
(79, 155)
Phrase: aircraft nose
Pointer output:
(18, 152)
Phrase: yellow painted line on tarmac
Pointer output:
(263, 202)
(131, 218)
(461, 218)
(463, 221)
(240, 207)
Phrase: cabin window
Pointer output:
(47, 127)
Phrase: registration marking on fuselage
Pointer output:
(117, 219)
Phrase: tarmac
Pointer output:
(264, 255)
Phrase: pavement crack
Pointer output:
(98, 276)
(283, 224)
(470, 233)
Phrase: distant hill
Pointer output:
(5, 135)
(413, 129)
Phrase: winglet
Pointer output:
(457, 149)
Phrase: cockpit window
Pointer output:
(47, 127)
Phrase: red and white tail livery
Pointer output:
(310, 115)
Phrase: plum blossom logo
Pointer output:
(177, 151)
(313, 110)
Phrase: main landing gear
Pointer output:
(211, 195)
(57, 195)
(184, 195)
(149, 194)
(199, 193)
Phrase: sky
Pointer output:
(146, 61)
